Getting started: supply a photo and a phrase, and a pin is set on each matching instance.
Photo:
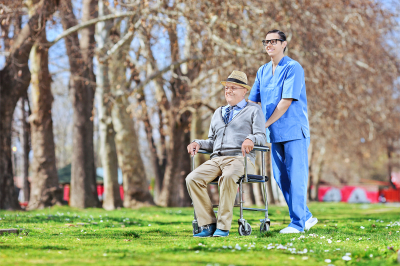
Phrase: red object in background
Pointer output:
(395, 178)
(391, 195)
(121, 191)
(322, 191)
(372, 196)
(66, 193)
(100, 190)
(346, 192)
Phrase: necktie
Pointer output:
(227, 114)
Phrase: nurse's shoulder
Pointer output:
(264, 67)
(293, 64)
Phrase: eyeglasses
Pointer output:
(273, 41)
(233, 89)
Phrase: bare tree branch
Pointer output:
(89, 23)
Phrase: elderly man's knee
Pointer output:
(190, 178)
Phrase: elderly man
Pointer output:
(234, 130)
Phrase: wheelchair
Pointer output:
(244, 226)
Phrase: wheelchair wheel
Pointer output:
(242, 230)
(196, 228)
(264, 227)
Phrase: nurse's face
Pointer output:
(234, 93)
(274, 47)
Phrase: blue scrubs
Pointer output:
(289, 135)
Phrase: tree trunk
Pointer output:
(268, 172)
(136, 186)
(174, 192)
(311, 153)
(82, 87)
(15, 77)
(258, 196)
(24, 139)
(108, 151)
(321, 163)
(45, 189)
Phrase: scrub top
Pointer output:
(287, 82)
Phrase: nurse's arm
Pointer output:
(280, 109)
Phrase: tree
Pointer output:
(45, 190)
(82, 88)
(15, 78)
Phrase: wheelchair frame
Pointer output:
(244, 226)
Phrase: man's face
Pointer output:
(274, 47)
(234, 93)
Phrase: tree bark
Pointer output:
(45, 189)
(82, 87)
(15, 78)
(136, 186)
(108, 151)
(24, 139)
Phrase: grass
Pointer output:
(163, 236)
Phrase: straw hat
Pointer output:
(238, 78)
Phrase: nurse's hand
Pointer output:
(193, 148)
(247, 146)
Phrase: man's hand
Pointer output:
(193, 148)
(247, 146)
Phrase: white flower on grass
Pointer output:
(238, 247)
(270, 247)
(200, 244)
(197, 251)
(301, 237)
(327, 260)
(322, 237)
(81, 231)
(105, 254)
(230, 247)
(348, 254)
(304, 258)
(245, 245)
(347, 239)
(338, 249)
(324, 224)
(347, 258)
(360, 238)
(370, 255)
(149, 224)
(329, 241)
(224, 246)
(78, 239)
(312, 251)
(60, 233)
(362, 227)
(101, 221)
(327, 250)
(339, 241)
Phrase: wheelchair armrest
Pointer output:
(261, 148)
(204, 151)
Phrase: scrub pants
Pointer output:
(290, 168)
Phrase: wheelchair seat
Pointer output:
(250, 179)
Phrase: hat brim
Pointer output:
(242, 85)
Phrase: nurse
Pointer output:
(281, 89)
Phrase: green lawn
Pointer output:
(368, 234)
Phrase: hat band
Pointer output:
(235, 80)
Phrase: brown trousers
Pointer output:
(230, 169)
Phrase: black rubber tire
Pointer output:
(198, 231)
(264, 228)
(242, 230)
